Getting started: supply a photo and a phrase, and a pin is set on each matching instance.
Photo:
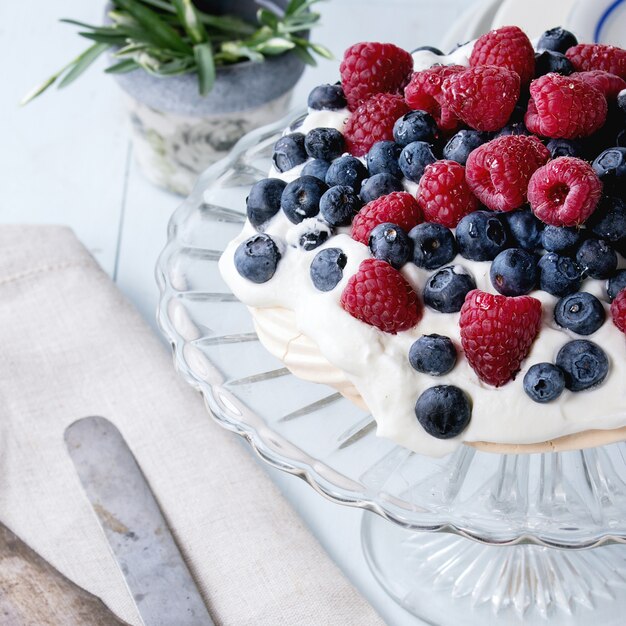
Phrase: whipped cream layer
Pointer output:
(376, 363)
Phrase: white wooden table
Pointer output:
(66, 158)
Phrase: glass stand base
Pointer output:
(447, 580)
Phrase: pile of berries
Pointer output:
(519, 160)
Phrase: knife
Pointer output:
(143, 545)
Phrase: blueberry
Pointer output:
(317, 168)
(390, 243)
(436, 51)
(346, 170)
(289, 151)
(256, 258)
(514, 272)
(621, 100)
(615, 284)
(557, 39)
(515, 128)
(415, 126)
(582, 313)
(559, 275)
(565, 147)
(461, 144)
(314, 237)
(263, 201)
(379, 185)
(445, 290)
(560, 238)
(383, 158)
(301, 198)
(339, 205)
(610, 166)
(434, 245)
(414, 158)
(327, 268)
(432, 354)
(327, 97)
(444, 411)
(324, 143)
(596, 258)
(609, 220)
(544, 382)
(525, 229)
(584, 363)
(550, 61)
(482, 235)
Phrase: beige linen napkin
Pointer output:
(71, 346)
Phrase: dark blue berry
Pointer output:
(329, 97)
(559, 275)
(584, 363)
(434, 245)
(379, 185)
(444, 411)
(461, 144)
(314, 236)
(317, 168)
(339, 205)
(324, 143)
(615, 284)
(621, 100)
(550, 61)
(289, 151)
(263, 201)
(256, 258)
(515, 128)
(514, 272)
(327, 268)
(432, 354)
(301, 198)
(560, 238)
(609, 220)
(482, 235)
(414, 158)
(436, 51)
(566, 148)
(390, 243)
(596, 258)
(582, 313)
(557, 39)
(610, 166)
(544, 382)
(445, 290)
(415, 126)
(346, 170)
(383, 158)
(525, 229)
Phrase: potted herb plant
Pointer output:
(198, 78)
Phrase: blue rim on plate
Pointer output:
(597, 33)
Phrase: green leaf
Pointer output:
(323, 51)
(304, 55)
(127, 65)
(161, 4)
(227, 23)
(275, 45)
(190, 19)
(206, 67)
(114, 39)
(235, 50)
(31, 95)
(294, 6)
(267, 18)
(82, 62)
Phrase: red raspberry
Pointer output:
(373, 121)
(609, 84)
(563, 107)
(398, 207)
(380, 296)
(618, 310)
(483, 97)
(507, 47)
(424, 92)
(498, 171)
(443, 194)
(587, 56)
(497, 333)
(368, 68)
(564, 192)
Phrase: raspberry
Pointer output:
(497, 333)
(424, 92)
(564, 192)
(587, 56)
(368, 68)
(373, 121)
(380, 296)
(443, 194)
(498, 171)
(618, 310)
(483, 97)
(507, 47)
(609, 84)
(398, 207)
(562, 107)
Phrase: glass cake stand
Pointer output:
(471, 538)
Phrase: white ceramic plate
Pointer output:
(600, 21)
(471, 24)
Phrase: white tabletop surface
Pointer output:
(66, 158)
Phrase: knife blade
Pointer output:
(155, 571)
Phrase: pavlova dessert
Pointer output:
(442, 239)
